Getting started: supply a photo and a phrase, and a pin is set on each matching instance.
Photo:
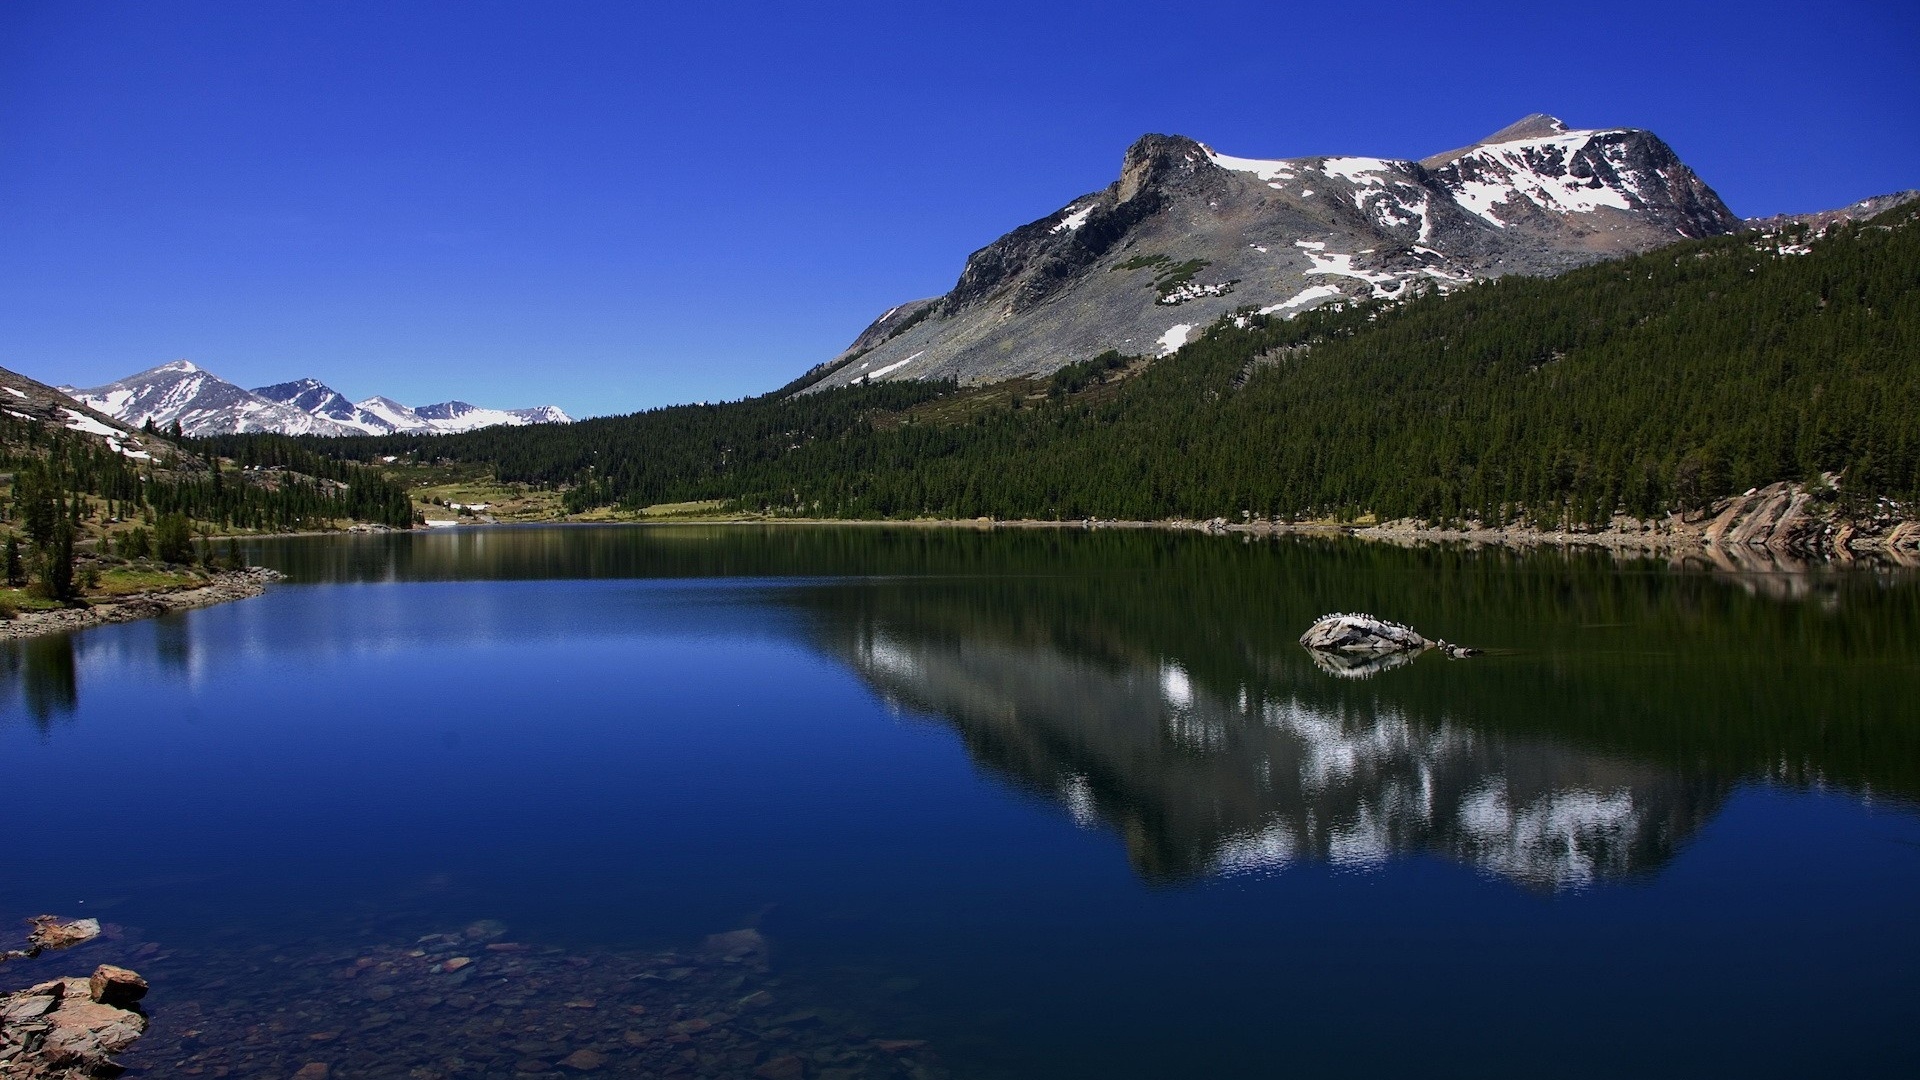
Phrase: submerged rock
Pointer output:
(706, 1012)
(50, 932)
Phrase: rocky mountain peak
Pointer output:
(1186, 235)
(1531, 126)
(1156, 161)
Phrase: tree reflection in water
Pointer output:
(38, 680)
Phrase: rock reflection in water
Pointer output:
(1358, 665)
(1200, 785)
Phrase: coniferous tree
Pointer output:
(56, 563)
(173, 539)
(136, 543)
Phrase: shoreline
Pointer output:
(1899, 544)
(224, 586)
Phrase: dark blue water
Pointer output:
(1064, 805)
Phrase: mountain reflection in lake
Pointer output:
(1201, 783)
(1664, 792)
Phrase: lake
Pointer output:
(869, 801)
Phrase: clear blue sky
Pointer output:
(609, 206)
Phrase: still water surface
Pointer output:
(1064, 804)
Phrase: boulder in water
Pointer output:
(1362, 634)
(1356, 635)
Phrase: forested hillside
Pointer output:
(1652, 383)
(96, 509)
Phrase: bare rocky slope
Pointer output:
(37, 403)
(1188, 234)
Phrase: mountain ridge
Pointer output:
(1186, 235)
(205, 404)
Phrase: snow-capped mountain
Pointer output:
(1187, 234)
(460, 416)
(384, 416)
(205, 404)
(201, 402)
(315, 398)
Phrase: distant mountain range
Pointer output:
(1188, 234)
(205, 404)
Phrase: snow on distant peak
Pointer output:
(205, 404)
(1359, 170)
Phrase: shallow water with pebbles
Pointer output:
(470, 1004)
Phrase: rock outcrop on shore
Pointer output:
(1767, 524)
(68, 1029)
(224, 586)
(1790, 518)
(71, 1028)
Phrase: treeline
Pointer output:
(288, 486)
(1648, 384)
(293, 489)
(662, 455)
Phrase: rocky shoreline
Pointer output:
(225, 585)
(1780, 526)
(68, 1028)
(71, 1027)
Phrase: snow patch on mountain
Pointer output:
(1549, 173)
(1175, 337)
(79, 421)
(893, 367)
(1264, 170)
(1306, 297)
(1071, 222)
